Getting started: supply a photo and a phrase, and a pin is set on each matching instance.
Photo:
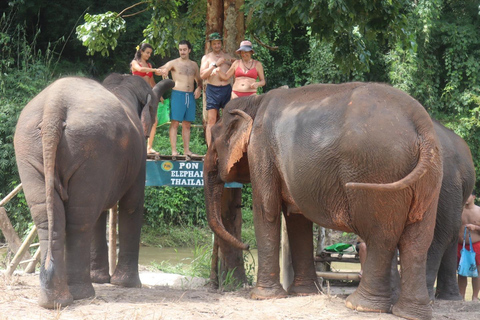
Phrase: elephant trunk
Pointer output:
(213, 188)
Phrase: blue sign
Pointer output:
(178, 173)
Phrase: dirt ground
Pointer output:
(166, 296)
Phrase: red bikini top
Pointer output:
(252, 73)
(144, 74)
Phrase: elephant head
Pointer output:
(227, 159)
(138, 93)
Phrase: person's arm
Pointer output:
(137, 67)
(206, 68)
(165, 69)
(472, 227)
(198, 79)
(230, 72)
(261, 76)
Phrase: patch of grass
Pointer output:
(176, 236)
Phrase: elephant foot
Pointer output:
(413, 311)
(448, 296)
(100, 276)
(81, 290)
(264, 293)
(126, 280)
(49, 300)
(304, 288)
(363, 303)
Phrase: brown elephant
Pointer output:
(356, 157)
(80, 147)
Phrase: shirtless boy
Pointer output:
(218, 91)
(471, 220)
(185, 73)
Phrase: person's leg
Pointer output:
(212, 117)
(476, 286)
(150, 139)
(173, 136)
(462, 285)
(186, 125)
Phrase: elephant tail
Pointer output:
(429, 152)
(52, 127)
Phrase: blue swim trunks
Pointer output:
(182, 106)
(218, 96)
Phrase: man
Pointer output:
(185, 73)
(471, 220)
(218, 91)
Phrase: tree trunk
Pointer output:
(225, 17)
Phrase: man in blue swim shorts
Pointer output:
(185, 73)
(218, 91)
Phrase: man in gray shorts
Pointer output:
(218, 91)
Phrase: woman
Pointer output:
(246, 71)
(141, 67)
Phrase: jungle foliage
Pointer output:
(428, 48)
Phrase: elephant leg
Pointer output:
(129, 228)
(434, 259)
(54, 290)
(414, 302)
(300, 235)
(79, 238)
(447, 285)
(99, 267)
(267, 218)
(53, 279)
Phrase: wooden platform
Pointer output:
(157, 157)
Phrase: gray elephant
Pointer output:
(457, 185)
(355, 157)
(80, 147)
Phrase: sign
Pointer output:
(178, 173)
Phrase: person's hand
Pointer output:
(254, 85)
(215, 71)
(472, 227)
(220, 61)
(197, 92)
(158, 72)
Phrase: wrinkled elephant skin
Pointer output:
(356, 157)
(80, 147)
(457, 185)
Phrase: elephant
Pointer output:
(457, 185)
(80, 148)
(356, 157)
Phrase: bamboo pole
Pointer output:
(339, 275)
(18, 257)
(112, 239)
(11, 195)
(33, 263)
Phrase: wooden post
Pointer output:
(286, 258)
(18, 257)
(112, 239)
(13, 240)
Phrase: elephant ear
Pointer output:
(239, 137)
(146, 117)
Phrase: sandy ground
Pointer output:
(167, 296)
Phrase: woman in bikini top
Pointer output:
(140, 65)
(246, 71)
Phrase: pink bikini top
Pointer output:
(143, 74)
(252, 73)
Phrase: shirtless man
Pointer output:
(185, 73)
(471, 220)
(218, 91)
